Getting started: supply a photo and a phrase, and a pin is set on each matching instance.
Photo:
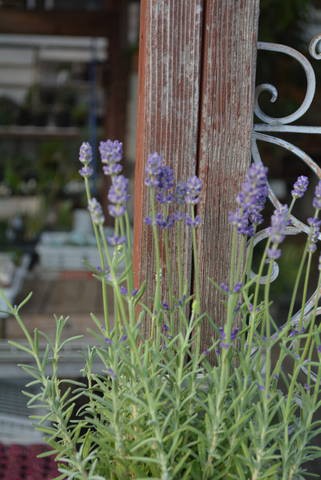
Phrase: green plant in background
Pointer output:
(160, 407)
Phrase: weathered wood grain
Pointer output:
(229, 61)
(168, 107)
(197, 64)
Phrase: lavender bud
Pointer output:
(85, 153)
(96, 212)
(300, 187)
(279, 222)
(115, 240)
(153, 168)
(250, 200)
(314, 233)
(317, 196)
(116, 210)
(190, 222)
(111, 151)
(193, 190)
(180, 192)
(86, 171)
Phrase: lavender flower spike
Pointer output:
(111, 153)
(250, 200)
(85, 153)
(193, 190)
(314, 233)
(85, 157)
(279, 222)
(153, 168)
(118, 196)
(300, 187)
(317, 197)
(96, 212)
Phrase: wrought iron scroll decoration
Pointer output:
(262, 132)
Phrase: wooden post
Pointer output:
(229, 60)
(196, 83)
(168, 108)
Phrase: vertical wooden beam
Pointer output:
(117, 75)
(229, 60)
(196, 82)
(116, 80)
(168, 107)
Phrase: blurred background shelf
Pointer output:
(36, 132)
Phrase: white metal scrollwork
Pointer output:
(262, 132)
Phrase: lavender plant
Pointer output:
(160, 407)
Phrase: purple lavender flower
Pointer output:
(118, 192)
(317, 196)
(115, 240)
(148, 220)
(193, 190)
(163, 221)
(222, 333)
(279, 222)
(123, 338)
(108, 341)
(164, 197)
(234, 333)
(96, 212)
(113, 169)
(178, 216)
(86, 171)
(273, 253)
(118, 195)
(111, 153)
(165, 178)
(237, 287)
(123, 290)
(300, 187)
(116, 210)
(154, 165)
(134, 292)
(180, 192)
(314, 233)
(250, 200)
(85, 153)
(225, 287)
(190, 222)
(319, 349)
(165, 305)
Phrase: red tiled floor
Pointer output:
(20, 462)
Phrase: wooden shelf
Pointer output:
(39, 132)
